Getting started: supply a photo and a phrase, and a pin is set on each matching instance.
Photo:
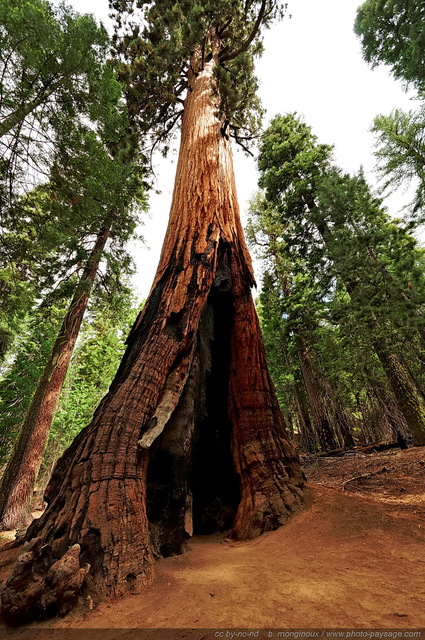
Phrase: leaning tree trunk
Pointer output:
(190, 436)
(22, 468)
(345, 424)
(19, 115)
(408, 399)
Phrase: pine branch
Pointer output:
(250, 39)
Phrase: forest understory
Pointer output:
(352, 558)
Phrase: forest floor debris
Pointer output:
(396, 478)
(353, 558)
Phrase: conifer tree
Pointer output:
(337, 216)
(190, 435)
(102, 187)
(301, 292)
(400, 151)
(51, 66)
(20, 377)
(94, 176)
(392, 33)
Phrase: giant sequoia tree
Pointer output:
(190, 436)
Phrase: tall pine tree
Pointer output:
(338, 214)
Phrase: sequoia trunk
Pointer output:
(192, 394)
(22, 468)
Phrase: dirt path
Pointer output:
(344, 562)
(348, 560)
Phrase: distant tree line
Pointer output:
(342, 300)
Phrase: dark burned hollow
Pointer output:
(192, 487)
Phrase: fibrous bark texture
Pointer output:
(407, 397)
(320, 418)
(22, 468)
(190, 436)
(54, 584)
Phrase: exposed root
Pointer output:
(363, 476)
(38, 585)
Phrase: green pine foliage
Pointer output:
(338, 225)
(400, 151)
(335, 267)
(392, 33)
(96, 178)
(51, 69)
(155, 43)
(50, 60)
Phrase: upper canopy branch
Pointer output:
(152, 53)
(261, 14)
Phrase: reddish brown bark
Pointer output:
(190, 434)
(22, 468)
(265, 460)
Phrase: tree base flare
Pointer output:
(38, 585)
(190, 437)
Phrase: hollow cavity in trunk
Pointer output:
(192, 484)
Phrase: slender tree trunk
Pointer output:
(318, 410)
(408, 400)
(194, 373)
(388, 413)
(363, 423)
(307, 436)
(23, 111)
(340, 418)
(325, 433)
(22, 468)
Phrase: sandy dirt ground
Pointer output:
(354, 558)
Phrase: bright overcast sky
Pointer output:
(312, 64)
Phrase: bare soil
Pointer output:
(354, 558)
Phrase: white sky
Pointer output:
(312, 64)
